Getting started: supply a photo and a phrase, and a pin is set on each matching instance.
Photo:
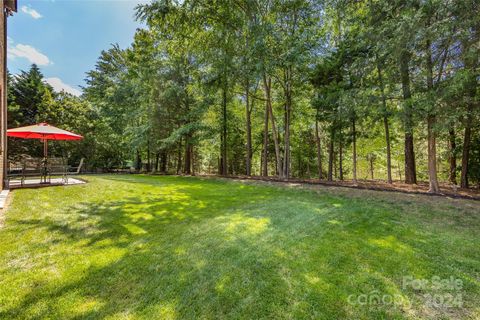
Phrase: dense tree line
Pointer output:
(31, 100)
(333, 89)
(330, 89)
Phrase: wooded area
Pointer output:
(331, 89)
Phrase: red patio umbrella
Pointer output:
(44, 132)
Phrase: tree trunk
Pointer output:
(371, 168)
(452, 156)
(335, 167)
(410, 169)
(466, 153)
(223, 159)
(157, 161)
(385, 123)
(267, 84)
(389, 154)
(470, 62)
(431, 120)
(179, 158)
(193, 158)
(138, 161)
(265, 136)
(432, 155)
(164, 161)
(399, 170)
(148, 156)
(354, 151)
(340, 158)
(248, 122)
(319, 150)
(248, 126)
(188, 156)
(288, 107)
(331, 154)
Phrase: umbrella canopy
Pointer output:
(43, 131)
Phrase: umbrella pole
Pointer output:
(45, 157)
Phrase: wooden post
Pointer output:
(3, 95)
(8, 7)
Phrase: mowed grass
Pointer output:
(148, 247)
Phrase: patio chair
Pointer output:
(14, 172)
(30, 167)
(35, 168)
(58, 170)
(75, 170)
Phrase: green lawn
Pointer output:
(145, 247)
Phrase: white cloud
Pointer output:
(58, 85)
(31, 12)
(29, 53)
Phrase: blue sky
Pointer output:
(65, 37)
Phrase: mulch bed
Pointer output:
(446, 190)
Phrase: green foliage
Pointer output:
(32, 101)
(193, 86)
(28, 92)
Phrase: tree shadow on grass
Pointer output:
(225, 251)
